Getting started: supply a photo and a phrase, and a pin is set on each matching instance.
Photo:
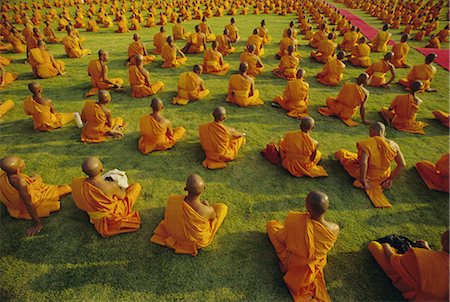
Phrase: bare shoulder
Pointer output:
(393, 144)
(333, 227)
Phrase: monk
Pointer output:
(140, 79)
(421, 274)
(122, 25)
(213, 61)
(435, 176)
(98, 71)
(377, 72)
(43, 64)
(232, 31)
(287, 69)
(318, 36)
(109, 206)
(206, 31)
(241, 89)
(5, 107)
(351, 96)
(224, 43)
(422, 72)
(220, 143)
(443, 117)
(172, 55)
(49, 34)
(349, 40)
(17, 41)
(159, 40)
(443, 34)
(196, 42)
(178, 31)
(45, 117)
(302, 245)
(189, 224)
(402, 112)
(92, 25)
(371, 167)
(191, 87)
(98, 121)
(72, 45)
(263, 32)
(255, 65)
(325, 50)
(137, 47)
(379, 42)
(400, 51)
(6, 78)
(157, 133)
(285, 42)
(333, 71)
(434, 42)
(28, 197)
(257, 42)
(295, 97)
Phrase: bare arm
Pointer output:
(363, 166)
(401, 164)
(392, 69)
(21, 186)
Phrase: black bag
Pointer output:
(400, 243)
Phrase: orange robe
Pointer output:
(109, 215)
(45, 198)
(222, 45)
(345, 104)
(169, 54)
(400, 51)
(95, 72)
(138, 48)
(422, 72)
(402, 114)
(50, 35)
(232, 33)
(287, 69)
(196, 43)
(332, 73)
(212, 63)
(9, 78)
(44, 119)
(189, 88)
(379, 42)
(184, 230)
(317, 37)
(179, 32)
(377, 72)
(156, 137)
(206, 30)
(5, 107)
(252, 60)
(302, 245)
(295, 98)
(443, 117)
(435, 176)
(349, 41)
(284, 45)
(361, 55)
(159, 40)
(239, 90)
(420, 274)
(17, 44)
(139, 86)
(122, 26)
(325, 51)
(72, 47)
(258, 42)
(380, 155)
(218, 145)
(42, 62)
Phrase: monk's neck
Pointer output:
(37, 97)
(156, 115)
(192, 198)
(318, 218)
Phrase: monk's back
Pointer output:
(381, 153)
(351, 94)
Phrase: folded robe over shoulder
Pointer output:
(43, 118)
(211, 63)
(44, 66)
(110, 216)
(435, 176)
(45, 198)
(239, 90)
(332, 72)
(184, 230)
(95, 70)
(295, 98)
(155, 136)
(138, 48)
(189, 88)
(139, 86)
(169, 54)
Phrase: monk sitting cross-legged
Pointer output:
(170, 53)
(360, 55)
(377, 72)
(371, 167)
(5, 107)
(43, 63)
(109, 206)
(351, 96)
(196, 42)
(422, 72)
(287, 69)
(189, 224)
(285, 42)
(178, 31)
(157, 133)
(49, 34)
(213, 61)
(6, 77)
(72, 45)
(232, 31)
(333, 71)
(137, 47)
(257, 42)
(435, 176)
(159, 40)
(98, 71)
(402, 112)
(421, 274)
(45, 118)
(255, 65)
(349, 40)
(206, 31)
(302, 245)
(224, 43)
(297, 152)
(241, 89)
(190, 87)
(295, 96)
(28, 197)
(379, 42)
(98, 121)
(400, 51)
(140, 79)
(325, 50)
(220, 143)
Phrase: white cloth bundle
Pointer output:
(118, 176)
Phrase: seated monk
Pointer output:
(122, 25)
(44, 65)
(325, 50)
(295, 96)
(297, 152)
(213, 61)
(241, 89)
(377, 72)
(422, 72)
(257, 41)
(434, 42)
(333, 71)
(189, 224)
(98, 71)
(351, 96)
(402, 112)
(443, 117)
(435, 176)
(206, 31)
(5, 107)
(421, 274)
(28, 197)
(92, 25)
(400, 51)
(371, 167)
(49, 34)
(178, 31)
(140, 79)
(195, 43)
(137, 47)
(190, 87)
(109, 206)
(169, 54)
(318, 36)
(159, 40)
(162, 19)
(255, 65)
(349, 40)
(302, 245)
(360, 55)
(220, 143)
(224, 43)
(134, 23)
(380, 41)
(264, 33)
(157, 133)
(6, 78)
(98, 121)
(443, 34)
(232, 31)
(72, 45)
(45, 117)
(285, 42)
(287, 69)
(293, 30)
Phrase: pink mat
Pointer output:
(443, 55)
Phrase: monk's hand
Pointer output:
(34, 229)
(205, 202)
(366, 184)
(387, 184)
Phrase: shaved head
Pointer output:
(377, 128)
(104, 97)
(197, 69)
(219, 113)
(34, 87)
(317, 203)
(136, 37)
(10, 164)
(340, 55)
(307, 124)
(195, 184)
(214, 45)
(388, 56)
(290, 49)
(157, 105)
(251, 48)
(243, 67)
(362, 79)
(415, 86)
(300, 73)
(430, 58)
(92, 166)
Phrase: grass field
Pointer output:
(68, 260)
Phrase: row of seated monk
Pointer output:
(190, 224)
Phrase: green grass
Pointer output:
(68, 260)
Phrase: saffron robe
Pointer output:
(43, 117)
(239, 90)
(155, 136)
(139, 86)
(189, 88)
(435, 176)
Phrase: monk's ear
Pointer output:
(185, 189)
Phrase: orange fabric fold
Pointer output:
(43, 117)
(155, 136)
